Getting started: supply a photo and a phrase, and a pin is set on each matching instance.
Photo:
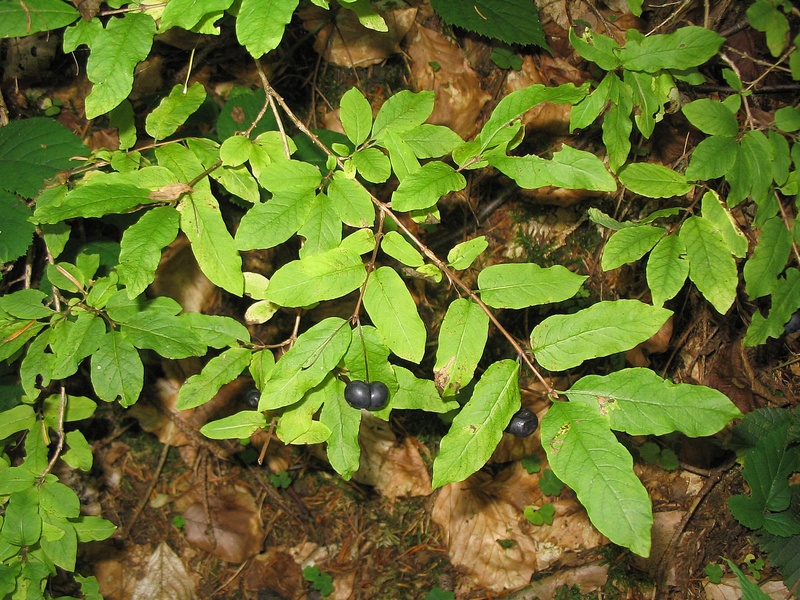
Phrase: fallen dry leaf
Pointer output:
(730, 589)
(164, 577)
(274, 572)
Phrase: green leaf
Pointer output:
(423, 188)
(72, 341)
(173, 110)
(653, 181)
(462, 255)
(478, 427)
(373, 165)
(33, 151)
(432, 141)
(569, 169)
(314, 354)
(617, 127)
(396, 246)
(352, 202)
(359, 242)
(289, 176)
(711, 117)
(368, 345)
(649, 99)
(585, 112)
(21, 19)
(596, 47)
(687, 47)
(785, 301)
(26, 304)
(19, 418)
(711, 158)
(212, 245)
(355, 112)
(192, 15)
(561, 342)
(667, 269)
(717, 213)
(116, 50)
(214, 330)
(401, 157)
(769, 258)
(222, 369)
(512, 21)
(787, 119)
(322, 228)
(751, 174)
(59, 541)
(629, 245)
(402, 112)
(711, 266)
(79, 455)
(297, 425)
(764, 16)
(520, 285)
(141, 245)
(235, 427)
(90, 529)
(418, 394)
(462, 339)
(269, 224)
(22, 525)
(117, 370)
(585, 454)
(260, 24)
(639, 402)
(342, 449)
(17, 232)
(324, 276)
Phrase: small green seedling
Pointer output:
(532, 463)
(550, 484)
(322, 582)
(281, 480)
(540, 516)
(438, 593)
(179, 521)
(714, 572)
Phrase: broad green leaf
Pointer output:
(342, 448)
(99, 197)
(297, 425)
(57, 499)
(787, 119)
(569, 168)
(269, 224)
(653, 181)
(373, 165)
(639, 402)
(22, 525)
(396, 246)
(35, 368)
(173, 110)
(402, 112)
(401, 156)
(765, 16)
(714, 210)
(462, 255)
(19, 418)
(585, 454)
(141, 245)
(520, 285)
(72, 341)
(585, 112)
(192, 14)
(116, 50)
(367, 16)
(123, 119)
(617, 127)
(781, 157)
(462, 339)
(711, 117)
(315, 354)
(596, 47)
(351, 200)
(166, 334)
(212, 245)
(235, 150)
(751, 174)
(26, 304)
(368, 343)
(78, 409)
(324, 276)
(260, 312)
(59, 541)
(117, 370)
(432, 141)
(711, 158)
(15, 335)
(90, 529)
(222, 369)
(667, 269)
(423, 188)
(235, 427)
(359, 242)
(418, 394)
(260, 24)
(393, 311)
(629, 245)
(322, 228)
(512, 21)
(769, 258)
(33, 151)
(355, 112)
(79, 456)
(261, 365)
(21, 19)
(711, 266)
(561, 342)
(650, 97)
(478, 427)
(289, 176)
(17, 232)
(214, 330)
(685, 48)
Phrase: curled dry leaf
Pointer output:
(165, 577)
(345, 42)
(170, 192)
(274, 572)
(231, 528)
(589, 578)
(440, 65)
(476, 513)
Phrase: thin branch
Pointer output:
(62, 409)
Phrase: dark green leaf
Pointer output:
(512, 21)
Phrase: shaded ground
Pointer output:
(207, 520)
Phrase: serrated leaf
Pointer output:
(653, 181)
(269, 224)
(351, 200)
(711, 158)
(16, 234)
(396, 246)
(596, 47)
(462, 255)
(342, 448)
(711, 117)
(512, 21)
(683, 49)
(173, 110)
(520, 285)
(117, 370)
(402, 112)
(561, 342)
(639, 402)
(235, 427)
(21, 19)
(324, 276)
(97, 198)
(462, 339)
(768, 259)
(478, 427)
(629, 245)
(569, 168)
(141, 245)
(667, 269)
(222, 369)
(315, 354)
(711, 267)
(260, 24)
(34, 150)
(116, 50)
(585, 454)
(355, 112)
(394, 312)
(423, 188)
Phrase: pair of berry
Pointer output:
(372, 396)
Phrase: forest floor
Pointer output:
(264, 521)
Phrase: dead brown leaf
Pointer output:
(165, 577)
(276, 572)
